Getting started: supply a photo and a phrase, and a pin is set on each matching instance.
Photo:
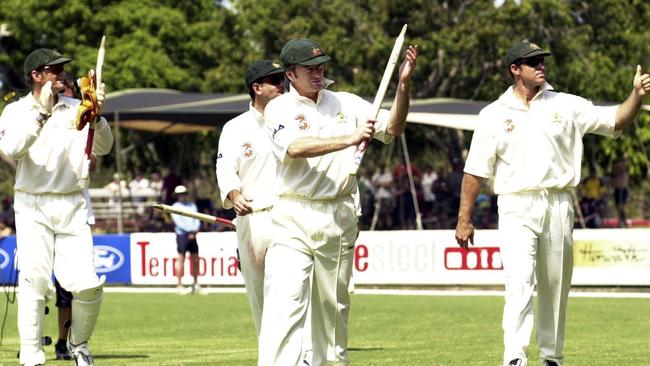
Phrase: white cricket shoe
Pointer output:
(198, 290)
(81, 354)
(181, 290)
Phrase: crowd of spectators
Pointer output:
(387, 200)
(385, 196)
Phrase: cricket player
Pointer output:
(530, 141)
(246, 172)
(314, 133)
(52, 227)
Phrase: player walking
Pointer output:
(245, 172)
(309, 261)
(51, 212)
(530, 141)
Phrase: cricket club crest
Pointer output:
(509, 125)
(248, 152)
(556, 117)
(316, 52)
(303, 125)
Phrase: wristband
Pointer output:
(42, 118)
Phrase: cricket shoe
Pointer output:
(61, 350)
(198, 290)
(181, 290)
(516, 362)
(81, 354)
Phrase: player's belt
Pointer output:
(303, 198)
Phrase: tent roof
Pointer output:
(171, 111)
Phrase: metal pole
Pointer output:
(418, 215)
(118, 163)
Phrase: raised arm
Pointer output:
(400, 108)
(631, 106)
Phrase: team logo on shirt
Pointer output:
(248, 152)
(303, 125)
(509, 125)
(276, 130)
(557, 118)
(340, 117)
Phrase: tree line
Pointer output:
(205, 46)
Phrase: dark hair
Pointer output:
(515, 62)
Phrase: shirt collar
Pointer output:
(62, 102)
(511, 100)
(256, 114)
(326, 82)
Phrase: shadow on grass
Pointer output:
(108, 357)
(358, 349)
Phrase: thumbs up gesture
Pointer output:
(641, 82)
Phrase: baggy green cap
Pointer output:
(303, 51)
(260, 69)
(524, 50)
(43, 57)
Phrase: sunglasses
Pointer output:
(532, 61)
(53, 69)
(275, 79)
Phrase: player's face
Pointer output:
(532, 70)
(272, 85)
(53, 73)
(308, 79)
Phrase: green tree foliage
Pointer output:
(203, 46)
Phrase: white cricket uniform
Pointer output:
(245, 164)
(535, 157)
(51, 213)
(315, 229)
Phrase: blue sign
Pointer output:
(8, 274)
(112, 258)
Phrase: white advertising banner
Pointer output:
(426, 258)
(619, 257)
(154, 256)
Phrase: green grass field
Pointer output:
(169, 329)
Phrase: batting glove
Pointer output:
(46, 99)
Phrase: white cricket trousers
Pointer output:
(535, 230)
(312, 239)
(52, 234)
(253, 237)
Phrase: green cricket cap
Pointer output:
(524, 50)
(303, 51)
(43, 57)
(260, 69)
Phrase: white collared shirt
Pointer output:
(539, 147)
(245, 162)
(292, 116)
(50, 159)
